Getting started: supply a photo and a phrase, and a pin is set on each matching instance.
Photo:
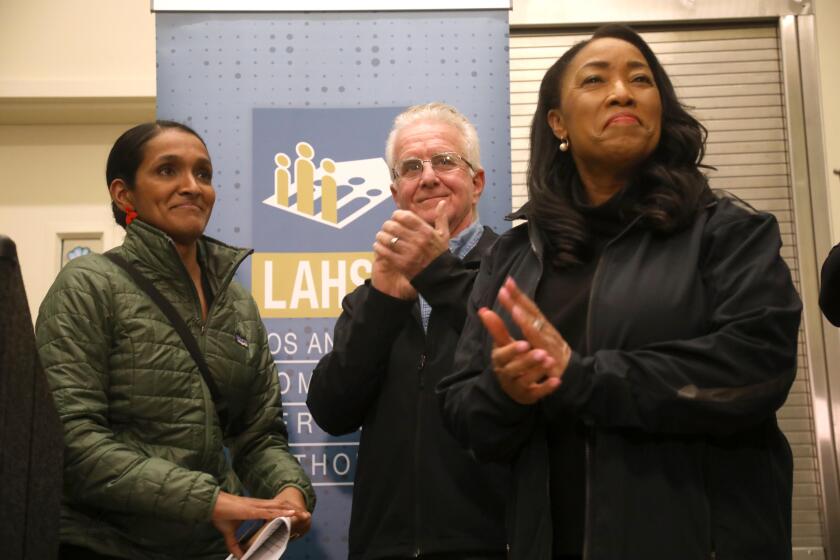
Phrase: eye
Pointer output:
(444, 162)
(643, 79)
(592, 79)
(205, 175)
(410, 166)
(166, 170)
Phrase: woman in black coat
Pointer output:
(634, 338)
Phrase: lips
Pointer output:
(435, 198)
(187, 207)
(622, 119)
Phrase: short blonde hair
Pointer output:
(436, 112)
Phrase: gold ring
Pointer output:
(394, 240)
(538, 323)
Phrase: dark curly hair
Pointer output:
(128, 151)
(668, 189)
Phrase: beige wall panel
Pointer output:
(76, 48)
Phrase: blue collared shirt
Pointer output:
(460, 246)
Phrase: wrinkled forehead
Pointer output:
(428, 136)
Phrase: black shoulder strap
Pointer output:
(180, 327)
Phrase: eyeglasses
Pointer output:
(445, 162)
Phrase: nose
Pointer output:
(428, 176)
(189, 184)
(621, 94)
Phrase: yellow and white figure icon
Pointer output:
(332, 193)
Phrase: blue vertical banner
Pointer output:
(295, 109)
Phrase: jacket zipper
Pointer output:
(416, 473)
(590, 433)
(209, 410)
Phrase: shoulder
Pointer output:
(85, 272)
(512, 239)
(727, 210)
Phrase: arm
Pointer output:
(261, 448)
(474, 407)
(830, 286)
(446, 284)
(346, 382)
(733, 377)
(74, 334)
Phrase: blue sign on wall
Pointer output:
(295, 109)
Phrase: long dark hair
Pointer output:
(128, 151)
(668, 188)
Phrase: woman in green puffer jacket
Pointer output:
(146, 472)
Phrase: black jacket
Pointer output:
(416, 490)
(693, 341)
(830, 286)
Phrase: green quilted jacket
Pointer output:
(145, 456)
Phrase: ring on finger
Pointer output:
(538, 323)
(394, 240)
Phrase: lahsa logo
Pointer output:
(333, 193)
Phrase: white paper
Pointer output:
(271, 541)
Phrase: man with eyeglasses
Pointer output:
(417, 494)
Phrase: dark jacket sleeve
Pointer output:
(346, 382)
(733, 377)
(446, 285)
(481, 416)
(830, 286)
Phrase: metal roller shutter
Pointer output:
(732, 79)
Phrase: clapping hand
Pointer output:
(405, 246)
(529, 369)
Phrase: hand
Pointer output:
(530, 369)
(388, 280)
(293, 499)
(417, 243)
(230, 511)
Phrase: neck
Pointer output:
(189, 256)
(463, 224)
(601, 183)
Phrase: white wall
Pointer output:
(74, 74)
(76, 48)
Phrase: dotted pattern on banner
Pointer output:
(214, 68)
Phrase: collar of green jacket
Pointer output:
(156, 250)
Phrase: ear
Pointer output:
(557, 123)
(121, 194)
(394, 193)
(478, 185)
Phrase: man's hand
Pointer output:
(405, 246)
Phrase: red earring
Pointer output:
(130, 214)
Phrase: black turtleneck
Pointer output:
(563, 297)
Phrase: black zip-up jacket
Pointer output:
(416, 490)
(693, 340)
(830, 286)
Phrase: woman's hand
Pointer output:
(529, 369)
(230, 511)
(292, 499)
